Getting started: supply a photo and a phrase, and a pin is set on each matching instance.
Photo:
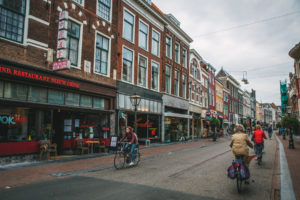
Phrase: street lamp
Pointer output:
(291, 141)
(135, 101)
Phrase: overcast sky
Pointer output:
(243, 35)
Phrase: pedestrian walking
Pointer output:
(270, 131)
(228, 133)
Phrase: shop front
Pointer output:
(148, 112)
(195, 122)
(176, 120)
(40, 105)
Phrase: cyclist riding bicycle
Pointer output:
(130, 136)
(239, 144)
(258, 138)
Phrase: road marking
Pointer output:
(61, 174)
(181, 172)
(286, 186)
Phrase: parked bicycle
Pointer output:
(122, 157)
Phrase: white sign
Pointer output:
(62, 53)
(62, 25)
(113, 141)
(63, 15)
(62, 44)
(87, 66)
(62, 34)
(65, 64)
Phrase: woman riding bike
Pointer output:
(130, 136)
(258, 138)
(239, 144)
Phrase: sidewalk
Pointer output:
(46, 171)
(293, 160)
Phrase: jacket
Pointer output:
(130, 137)
(239, 144)
(259, 136)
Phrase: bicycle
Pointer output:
(122, 157)
(259, 148)
(237, 171)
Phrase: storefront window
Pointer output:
(72, 99)
(37, 94)
(175, 128)
(55, 97)
(15, 91)
(1, 88)
(98, 103)
(85, 101)
(24, 124)
(121, 101)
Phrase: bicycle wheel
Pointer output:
(137, 158)
(119, 160)
(239, 182)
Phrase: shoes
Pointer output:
(247, 182)
(131, 163)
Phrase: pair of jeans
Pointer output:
(131, 147)
(260, 145)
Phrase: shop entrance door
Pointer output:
(58, 136)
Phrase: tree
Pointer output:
(214, 123)
(290, 122)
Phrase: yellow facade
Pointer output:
(219, 97)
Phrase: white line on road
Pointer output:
(286, 186)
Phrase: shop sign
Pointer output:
(38, 77)
(7, 120)
(63, 15)
(62, 44)
(62, 35)
(65, 64)
(63, 25)
(62, 53)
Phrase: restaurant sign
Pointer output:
(37, 76)
(65, 64)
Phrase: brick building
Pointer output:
(57, 72)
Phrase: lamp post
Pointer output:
(135, 101)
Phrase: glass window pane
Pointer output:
(85, 101)
(98, 103)
(37, 94)
(72, 99)
(55, 97)
(15, 91)
(1, 88)
(121, 101)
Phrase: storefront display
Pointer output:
(175, 128)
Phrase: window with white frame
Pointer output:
(176, 82)
(128, 26)
(81, 2)
(155, 43)
(143, 35)
(103, 9)
(190, 90)
(12, 18)
(177, 52)
(196, 93)
(169, 47)
(184, 58)
(154, 75)
(194, 71)
(73, 42)
(193, 92)
(168, 79)
(183, 86)
(199, 92)
(142, 73)
(127, 65)
(102, 52)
